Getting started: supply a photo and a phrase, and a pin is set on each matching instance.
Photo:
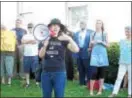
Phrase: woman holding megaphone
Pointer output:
(52, 51)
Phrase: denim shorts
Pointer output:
(30, 63)
(7, 64)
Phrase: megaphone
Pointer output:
(41, 32)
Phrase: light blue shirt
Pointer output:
(125, 52)
(82, 36)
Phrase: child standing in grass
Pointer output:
(124, 63)
(30, 53)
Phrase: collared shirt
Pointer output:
(82, 36)
(8, 41)
(125, 52)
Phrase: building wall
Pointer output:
(115, 15)
(8, 14)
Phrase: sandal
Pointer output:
(91, 94)
(112, 95)
(99, 93)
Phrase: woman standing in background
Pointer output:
(124, 63)
(99, 57)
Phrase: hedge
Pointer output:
(111, 71)
(113, 55)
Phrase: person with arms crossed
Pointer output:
(30, 59)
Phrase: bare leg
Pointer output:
(9, 80)
(27, 78)
(101, 82)
(3, 80)
(91, 87)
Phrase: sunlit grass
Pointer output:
(72, 90)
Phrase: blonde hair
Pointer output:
(102, 28)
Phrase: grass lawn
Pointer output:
(72, 90)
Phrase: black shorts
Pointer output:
(99, 73)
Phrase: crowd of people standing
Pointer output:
(21, 53)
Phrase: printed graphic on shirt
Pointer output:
(53, 48)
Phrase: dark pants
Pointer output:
(83, 70)
(69, 65)
(55, 81)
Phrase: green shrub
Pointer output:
(113, 55)
(111, 71)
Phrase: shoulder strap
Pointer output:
(93, 36)
(102, 36)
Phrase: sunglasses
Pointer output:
(30, 27)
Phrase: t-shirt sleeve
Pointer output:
(65, 43)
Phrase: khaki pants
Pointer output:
(121, 72)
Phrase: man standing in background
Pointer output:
(7, 49)
(30, 60)
(19, 48)
(82, 38)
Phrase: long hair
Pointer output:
(102, 29)
(65, 30)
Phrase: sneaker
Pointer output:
(9, 85)
(99, 93)
(37, 84)
(129, 96)
(27, 86)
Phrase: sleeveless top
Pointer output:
(99, 55)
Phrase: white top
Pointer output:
(30, 49)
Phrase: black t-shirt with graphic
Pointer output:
(54, 59)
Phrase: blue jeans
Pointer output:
(55, 81)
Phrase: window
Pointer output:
(76, 14)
